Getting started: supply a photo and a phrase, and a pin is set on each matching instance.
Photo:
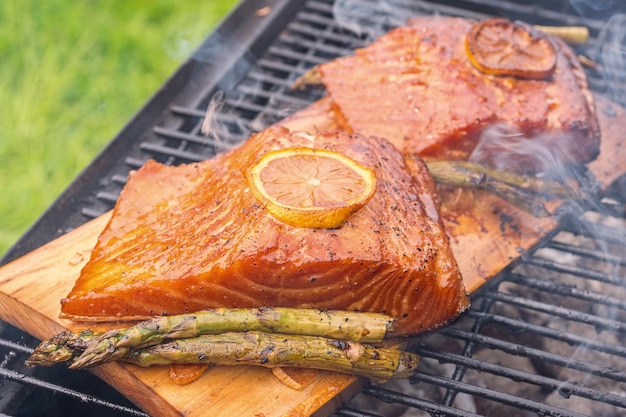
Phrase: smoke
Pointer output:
(211, 125)
(550, 155)
(225, 66)
(371, 20)
(609, 47)
(612, 55)
(596, 8)
(360, 19)
(221, 125)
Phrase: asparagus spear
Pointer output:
(114, 344)
(479, 173)
(520, 190)
(249, 348)
(271, 350)
(63, 347)
(244, 348)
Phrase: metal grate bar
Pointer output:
(307, 58)
(599, 231)
(187, 111)
(599, 323)
(182, 155)
(267, 78)
(570, 290)
(333, 43)
(516, 326)
(576, 271)
(530, 352)
(134, 163)
(107, 196)
(436, 409)
(596, 254)
(184, 136)
(563, 387)
(277, 66)
(490, 394)
(38, 383)
(349, 412)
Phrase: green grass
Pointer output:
(72, 74)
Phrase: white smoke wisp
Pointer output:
(584, 7)
(369, 22)
(507, 148)
(226, 63)
(550, 156)
(211, 125)
(613, 55)
(215, 105)
(354, 16)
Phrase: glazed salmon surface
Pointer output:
(416, 87)
(186, 238)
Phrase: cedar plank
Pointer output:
(483, 243)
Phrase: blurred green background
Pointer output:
(73, 73)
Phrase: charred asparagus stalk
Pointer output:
(230, 348)
(471, 173)
(271, 350)
(520, 190)
(114, 344)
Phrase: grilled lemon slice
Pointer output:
(501, 47)
(313, 188)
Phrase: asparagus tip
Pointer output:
(100, 350)
(60, 348)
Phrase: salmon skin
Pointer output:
(192, 237)
(416, 87)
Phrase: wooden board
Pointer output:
(484, 242)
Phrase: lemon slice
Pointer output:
(501, 47)
(314, 188)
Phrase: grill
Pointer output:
(545, 337)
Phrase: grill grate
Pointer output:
(545, 338)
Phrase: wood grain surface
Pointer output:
(485, 240)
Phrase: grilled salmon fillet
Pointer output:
(416, 87)
(186, 238)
